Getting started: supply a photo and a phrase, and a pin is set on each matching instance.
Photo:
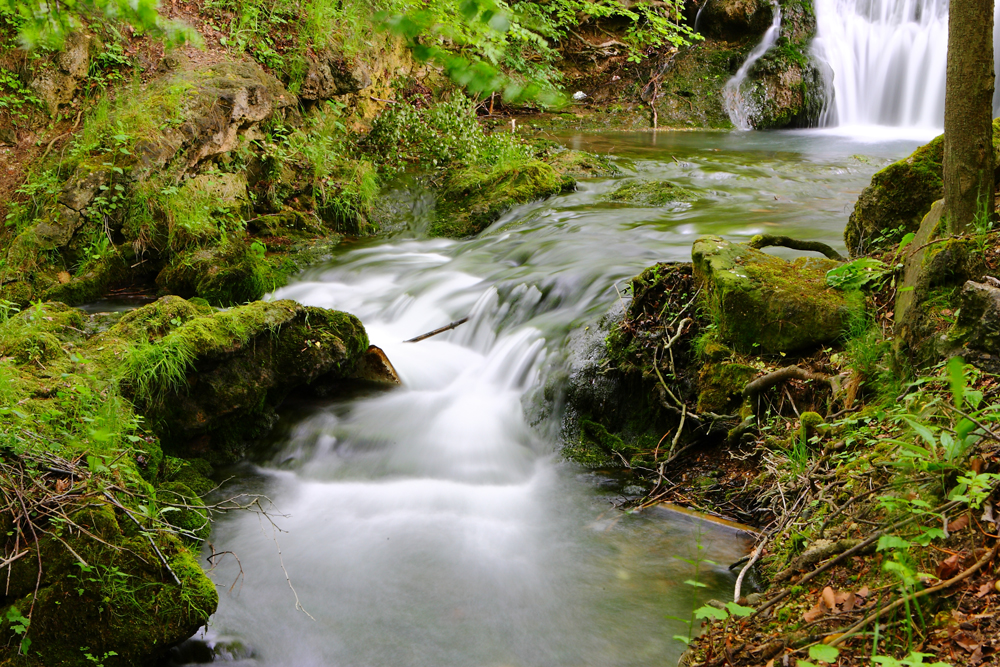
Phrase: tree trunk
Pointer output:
(968, 113)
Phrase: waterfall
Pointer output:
(888, 58)
(738, 105)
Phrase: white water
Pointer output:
(739, 107)
(432, 524)
(889, 60)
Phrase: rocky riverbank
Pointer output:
(846, 408)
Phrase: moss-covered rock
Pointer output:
(212, 383)
(976, 332)
(720, 386)
(650, 193)
(899, 197)
(935, 269)
(786, 87)
(471, 200)
(764, 304)
(580, 164)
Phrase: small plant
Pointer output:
(19, 625)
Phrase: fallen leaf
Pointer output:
(966, 642)
(63, 277)
(813, 614)
(949, 567)
(863, 592)
(850, 602)
(62, 485)
(985, 589)
(829, 598)
(959, 523)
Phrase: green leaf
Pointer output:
(682, 639)
(824, 653)
(710, 612)
(906, 240)
(696, 584)
(956, 380)
(892, 542)
(739, 610)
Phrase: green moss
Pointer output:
(650, 193)
(720, 386)
(764, 304)
(472, 199)
(579, 164)
(899, 196)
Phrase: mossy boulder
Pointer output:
(212, 383)
(976, 332)
(580, 164)
(471, 199)
(764, 304)
(899, 196)
(720, 386)
(225, 275)
(935, 269)
(654, 194)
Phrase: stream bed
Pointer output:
(435, 525)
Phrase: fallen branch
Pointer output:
(766, 240)
(437, 331)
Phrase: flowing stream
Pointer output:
(434, 524)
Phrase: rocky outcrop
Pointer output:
(735, 20)
(786, 86)
(764, 304)
(331, 75)
(899, 197)
(57, 81)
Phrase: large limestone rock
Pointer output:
(764, 304)
(787, 86)
(57, 81)
(899, 197)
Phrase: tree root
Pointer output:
(766, 240)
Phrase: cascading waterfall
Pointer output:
(889, 59)
(738, 105)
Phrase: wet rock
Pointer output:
(472, 200)
(331, 75)
(649, 193)
(899, 197)
(786, 87)
(374, 366)
(735, 20)
(764, 304)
